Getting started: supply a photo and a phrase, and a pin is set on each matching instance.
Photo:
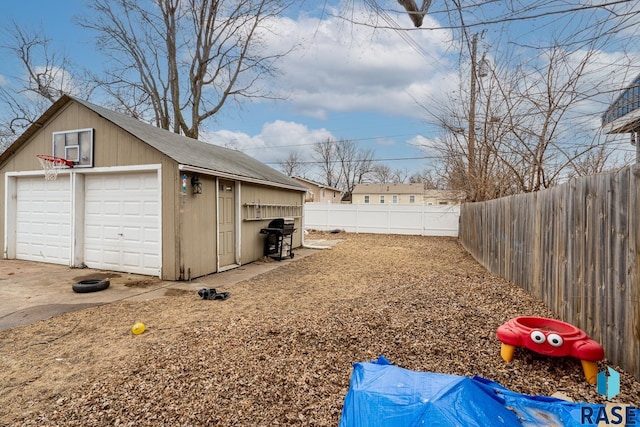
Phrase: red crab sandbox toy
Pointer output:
(552, 338)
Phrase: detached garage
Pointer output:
(134, 198)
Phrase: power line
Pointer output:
(306, 144)
(358, 160)
(408, 39)
(508, 18)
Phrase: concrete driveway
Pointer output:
(31, 291)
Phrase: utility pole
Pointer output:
(471, 140)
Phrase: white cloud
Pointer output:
(343, 68)
(60, 79)
(428, 146)
(339, 68)
(275, 141)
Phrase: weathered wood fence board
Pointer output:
(575, 247)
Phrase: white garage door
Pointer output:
(43, 220)
(122, 222)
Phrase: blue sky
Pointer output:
(345, 82)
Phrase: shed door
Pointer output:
(122, 222)
(226, 223)
(43, 225)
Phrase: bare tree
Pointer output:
(45, 76)
(490, 181)
(354, 163)
(519, 140)
(542, 149)
(383, 174)
(342, 164)
(182, 60)
(613, 15)
(595, 161)
(416, 178)
(324, 155)
(400, 176)
(292, 165)
(428, 178)
(514, 133)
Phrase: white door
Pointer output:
(43, 220)
(226, 223)
(122, 222)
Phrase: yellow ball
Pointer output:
(137, 328)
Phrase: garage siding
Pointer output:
(252, 240)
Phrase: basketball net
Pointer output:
(51, 166)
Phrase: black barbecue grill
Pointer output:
(279, 238)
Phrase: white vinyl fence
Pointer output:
(420, 220)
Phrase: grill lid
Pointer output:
(282, 223)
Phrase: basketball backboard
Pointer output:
(74, 145)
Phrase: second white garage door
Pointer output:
(122, 222)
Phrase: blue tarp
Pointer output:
(383, 395)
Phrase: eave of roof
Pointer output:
(626, 124)
(388, 189)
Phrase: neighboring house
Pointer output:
(138, 199)
(395, 194)
(404, 194)
(319, 193)
(623, 115)
(443, 197)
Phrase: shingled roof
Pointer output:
(370, 188)
(185, 151)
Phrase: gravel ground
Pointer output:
(280, 350)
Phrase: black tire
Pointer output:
(93, 285)
(291, 255)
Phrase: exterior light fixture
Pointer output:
(196, 184)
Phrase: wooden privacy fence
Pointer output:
(421, 220)
(574, 246)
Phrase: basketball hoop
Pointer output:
(52, 165)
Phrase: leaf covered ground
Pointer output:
(280, 350)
